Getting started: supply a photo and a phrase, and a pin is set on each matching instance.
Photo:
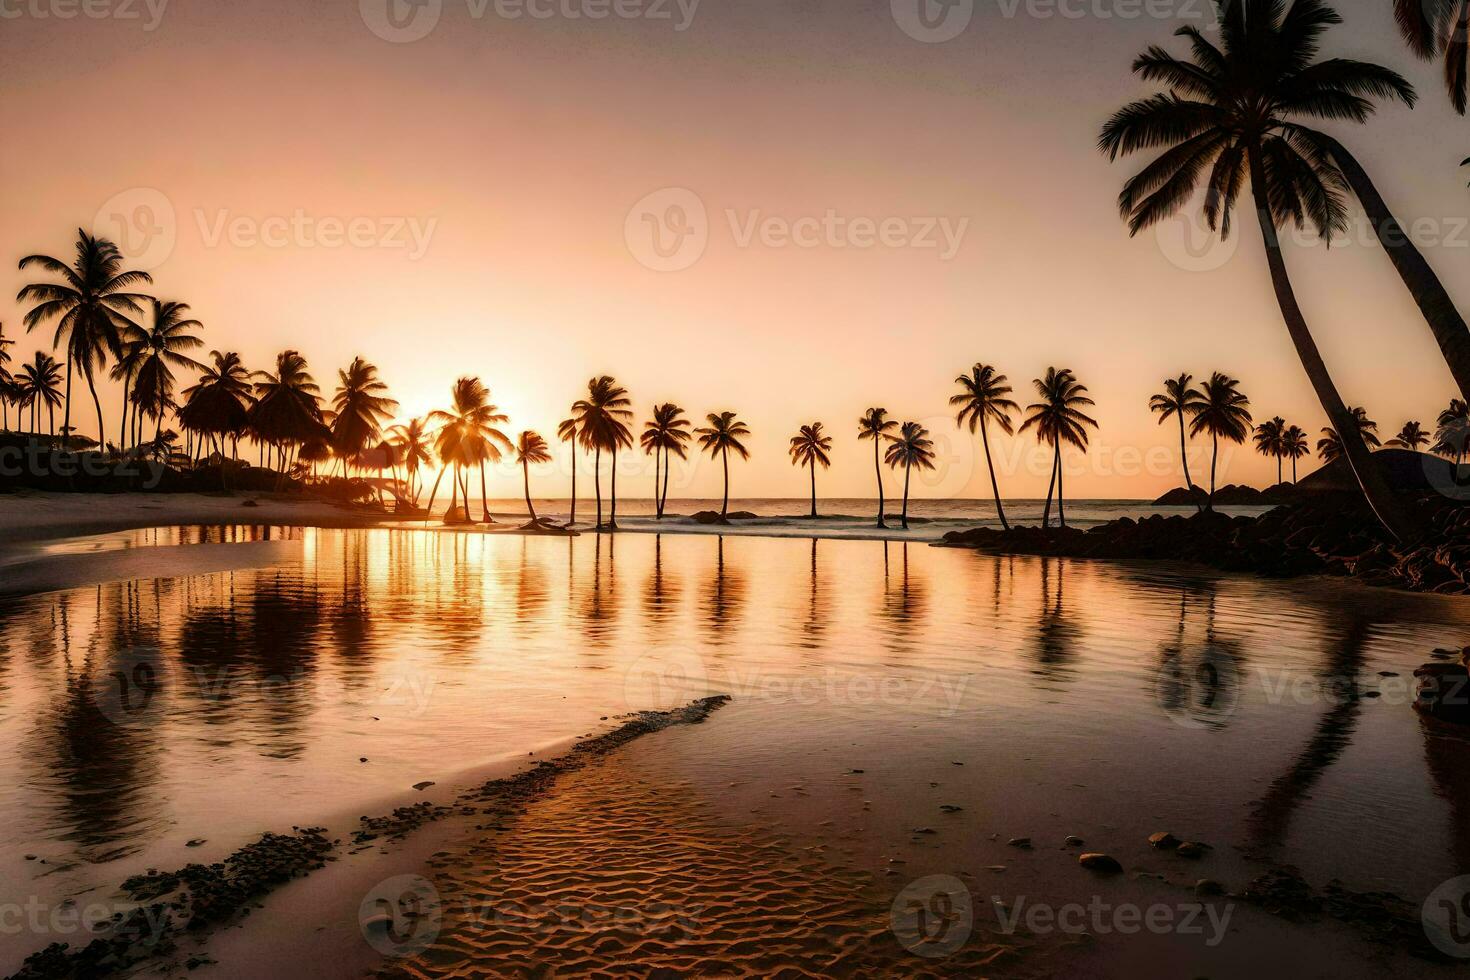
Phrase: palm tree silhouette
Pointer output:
(1411, 436)
(720, 437)
(468, 437)
(1437, 28)
(982, 400)
(287, 412)
(1330, 447)
(1224, 414)
(91, 304)
(910, 448)
(567, 432)
(665, 433)
(360, 406)
(218, 404)
(161, 348)
(1230, 113)
(877, 426)
(1294, 447)
(125, 369)
(1058, 418)
(531, 448)
(1268, 436)
(414, 445)
(1452, 430)
(809, 447)
(7, 380)
(602, 417)
(1180, 400)
(40, 384)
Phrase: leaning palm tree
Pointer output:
(360, 406)
(531, 448)
(664, 434)
(217, 405)
(877, 426)
(719, 438)
(567, 433)
(93, 305)
(40, 384)
(1231, 116)
(469, 437)
(910, 448)
(1437, 28)
(1330, 446)
(1180, 400)
(1411, 436)
(982, 400)
(1058, 418)
(414, 446)
(809, 447)
(1294, 446)
(602, 418)
(1267, 437)
(1224, 414)
(287, 412)
(162, 346)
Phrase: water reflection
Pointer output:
(1199, 672)
(905, 599)
(1057, 633)
(724, 596)
(661, 593)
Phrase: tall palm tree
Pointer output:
(877, 426)
(602, 418)
(125, 369)
(360, 406)
(911, 447)
(809, 447)
(1268, 440)
(92, 304)
(468, 436)
(1224, 414)
(982, 400)
(40, 384)
(162, 349)
(414, 445)
(719, 438)
(1437, 28)
(1180, 400)
(287, 412)
(1411, 436)
(1232, 113)
(218, 404)
(1452, 430)
(1058, 418)
(567, 432)
(7, 380)
(531, 448)
(1294, 446)
(665, 433)
(1330, 446)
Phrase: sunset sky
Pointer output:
(519, 150)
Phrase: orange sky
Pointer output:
(518, 147)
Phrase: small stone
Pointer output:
(1388, 673)
(363, 759)
(1101, 863)
(924, 830)
(1207, 887)
(1192, 849)
(1024, 843)
(1163, 840)
(30, 857)
(1372, 694)
(995, 867)
(195, 842)
(950, 808)
(423, 785)
(1074, 842)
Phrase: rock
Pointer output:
(1207, 887)
(1024, 843)
(950, 808)
(377, 925)
(1163, 840)
(423, 785)
(1101, 863)
(1074, 842)
(1192, 849)
(195, 842)
(362, 759)
(30, 857)
(924, 830)
(249, 503)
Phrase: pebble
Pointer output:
(195, 842)
(423, 785)
(1102, 863)
(1192, 849)
(1024, 843)
(950, 808)
(1163, 840)
(1074, 842)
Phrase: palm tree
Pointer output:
(162, 346)
(360, 406)
(218, 404)
(1224, 414)
(1180, 400)
(287, 412)
(1230, 113)
(468, 437)
(1330, 446)
(877, 426)
(531, 448)
(1411, 436)
(809, 447)
(1058, 418)
(125, 369)
(414, 445)
(92, 305)
(40, 384)
(1268, 438)
(1438, 27)
(665, 433)
(1294, 447)
(567, 432)
(982, 400)
(7, 380)
(602, 418)
(1452, 430)
(911, 447)
(720, 437)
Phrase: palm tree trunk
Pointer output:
(432, 494)
(484, 497)
(526, 473)
(1429, 293)
(658, 506)
(814, 488)
(66, 411)
(597, 481)
(1375, 488)
(612, 514)
(725, 500)
(1278, 469)
(878, 469)
(92, 387)
(994, 486)
(1184, 456)
(1214, 458)
(1051, 483)
(122, 430)
(664, 503)
(1061, 497)
(453, 492)
(1293, 471)
(908, 469)
(572, 519)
